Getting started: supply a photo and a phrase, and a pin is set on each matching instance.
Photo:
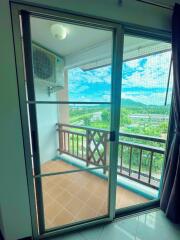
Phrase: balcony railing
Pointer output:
(140, 157)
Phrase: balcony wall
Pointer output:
(47, 116)
(62, 95)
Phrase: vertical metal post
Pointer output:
(60, 138)
(68, 144)
(87, 147)
(64, 141)
(82, 148)
(118, 40)
(33, 118)
(121, 167)
(150, 167)
(130, 159)
(105, 151)
(73, 143)
(24, 117)
(77, 145)
(140, 160)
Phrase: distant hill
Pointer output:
(128, 103)
(131, 103)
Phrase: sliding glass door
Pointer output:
(94, 115)
(145, 107)
(72, 87)
(71, 83)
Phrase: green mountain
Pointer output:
(131, 103)
(125, 102)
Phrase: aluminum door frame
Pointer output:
(117, 59)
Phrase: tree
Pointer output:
(105, 115)
(124, 117)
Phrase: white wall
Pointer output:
(63, 95)
(47, 117)
(14, 202)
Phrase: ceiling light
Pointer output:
(58, 31)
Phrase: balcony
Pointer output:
(91, 145)
(84, 194)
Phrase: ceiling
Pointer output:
(84, 45)
(78, 37)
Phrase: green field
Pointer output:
(135, 118)
(153, 122)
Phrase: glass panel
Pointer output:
(145, 106)
(71, 62)
(75, 133)
(74, 197)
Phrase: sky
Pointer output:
(144, 80)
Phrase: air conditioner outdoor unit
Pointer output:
(48, 68)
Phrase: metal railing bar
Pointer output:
(86, 169)
(82, 147)
(144, 147)
(73, 132)
(67, 102)
(125, 169)
(84, 128)
(77, 145)
(150, 168)
(68, 143)
(130, 158)
(73, 143)
(121, 157)
(139, 181)
(60, 140)
(140, 159)
(87, 147)
(64, 139)
(143, 137)
(129, 135)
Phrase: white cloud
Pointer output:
(140, 76)
(154, 73)
(152, 98)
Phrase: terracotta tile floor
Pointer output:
(78, 196)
